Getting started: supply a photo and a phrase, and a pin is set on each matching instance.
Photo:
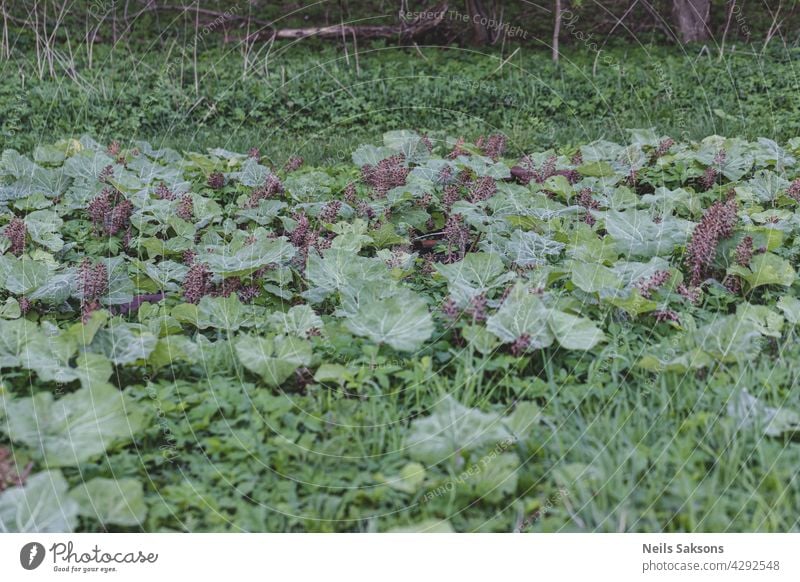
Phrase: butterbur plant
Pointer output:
(462, 281)
(196, 284)
(477, 308)
(450, 310)
(9, 477)
(349, 194)
(389, 173)
(653, 282)
(456, 233)
(493, 147)
(458, 149)
(331, 211)
(216, 180)
(185, 209)
(450, 196)
(744, 252)
(521, 345)
(483, 189)
(793, 191)
(271, 188)
(293, 164)
(93, 281)
(299, 235)
(717, 223)
(110, 211)
(16, 232)
(163, 192)
(712, 172)
(663, 147)
(106, 174)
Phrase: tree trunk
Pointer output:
(481, 35)
(691, 19)
(556, 30)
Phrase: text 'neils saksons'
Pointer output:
(664, 548)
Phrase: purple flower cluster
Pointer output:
(712, 172)
(293, 164)
(663, 147)
(744, 251)
(717, 223)
(349, 193)
(300, 233)
(196, 284)
(216, 180)
(389, 173)
(482, 189)
(24, 305)
(16, 232)
(692, 294)
(110, 211)
(521, 344)
(365, 210)
(733, 283)
(163, 192)
(493, 147)
(794, 190)
(662, 315)
(458, 149)
(272, 187)
(8, 471)
(254, 153)
(547, 169)
(477, 308)
(93, 281)
(106, 174)
(450, 310)
(650, 284)
(185, 209)
(331, 211)
(456, 233)
(586, 200)
(450, 196)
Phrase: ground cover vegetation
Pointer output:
(434, 335)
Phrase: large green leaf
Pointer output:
(41, 506)
(574, 332)
(273, 358)
(477, 273)
(111, 502)
(228, 262)
(23, 275)
(74, 428)
(637, 234)
(522, 314)
(298, 320)
(124, 343)
(766, 269)
(450, 428)
(44, 227)
(402, 321)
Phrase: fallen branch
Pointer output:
(426, 21)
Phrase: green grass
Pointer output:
(320, 105)
(632, 451)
